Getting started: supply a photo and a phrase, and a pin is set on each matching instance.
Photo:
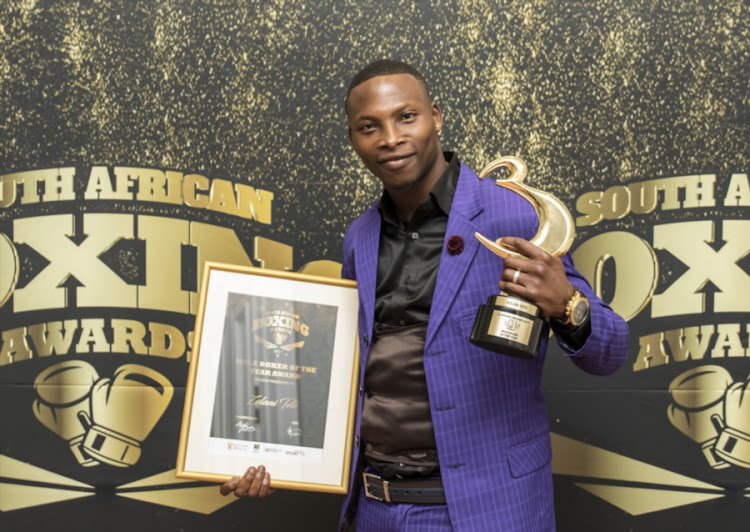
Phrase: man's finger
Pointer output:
(265, 486)
(524, 247)
(229, 486)
(254, 481)
(244, 486)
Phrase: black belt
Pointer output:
(415, 490)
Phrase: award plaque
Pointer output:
(272, 380)
(508, 324)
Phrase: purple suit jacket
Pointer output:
(488, 410)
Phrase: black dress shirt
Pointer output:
(410, 251)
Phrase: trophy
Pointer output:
(508, 324)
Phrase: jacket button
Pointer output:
(356, 442)
(367, 341)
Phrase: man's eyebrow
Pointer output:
(397, 111)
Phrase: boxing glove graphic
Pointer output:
(63, 391)
(124, 410)
(733, 444)
(697, 397)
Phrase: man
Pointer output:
(450, 435)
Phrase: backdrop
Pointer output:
(140, 138)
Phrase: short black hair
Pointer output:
(384, 67)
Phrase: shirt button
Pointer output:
(414, 236)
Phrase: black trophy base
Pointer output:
(508, 325)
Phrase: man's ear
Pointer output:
(437, 117)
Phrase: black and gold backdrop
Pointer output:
(139, 138)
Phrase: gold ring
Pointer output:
(515, 276)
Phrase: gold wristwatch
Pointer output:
(577, 310)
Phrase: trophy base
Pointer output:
(508, 325)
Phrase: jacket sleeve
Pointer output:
(606, 348)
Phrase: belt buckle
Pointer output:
(386, 493)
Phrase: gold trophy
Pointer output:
(508, 324)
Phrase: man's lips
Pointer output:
(395, 162)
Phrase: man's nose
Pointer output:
(391, 136)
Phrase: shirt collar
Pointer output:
(441, 195)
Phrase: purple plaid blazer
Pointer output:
(488, 410)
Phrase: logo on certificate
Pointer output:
(275, 329)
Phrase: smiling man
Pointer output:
(448, 435)
(393, 127)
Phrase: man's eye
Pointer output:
(408, 116)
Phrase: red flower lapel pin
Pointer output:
(455, 245)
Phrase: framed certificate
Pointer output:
(272, 380)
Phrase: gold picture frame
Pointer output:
(272, 380)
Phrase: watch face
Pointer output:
(579, 313)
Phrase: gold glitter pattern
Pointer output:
(587, 93)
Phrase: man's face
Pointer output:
(393, 127)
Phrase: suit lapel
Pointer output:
(466, 207)
(366, 262)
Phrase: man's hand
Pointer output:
(538, 277)
(254, 483)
